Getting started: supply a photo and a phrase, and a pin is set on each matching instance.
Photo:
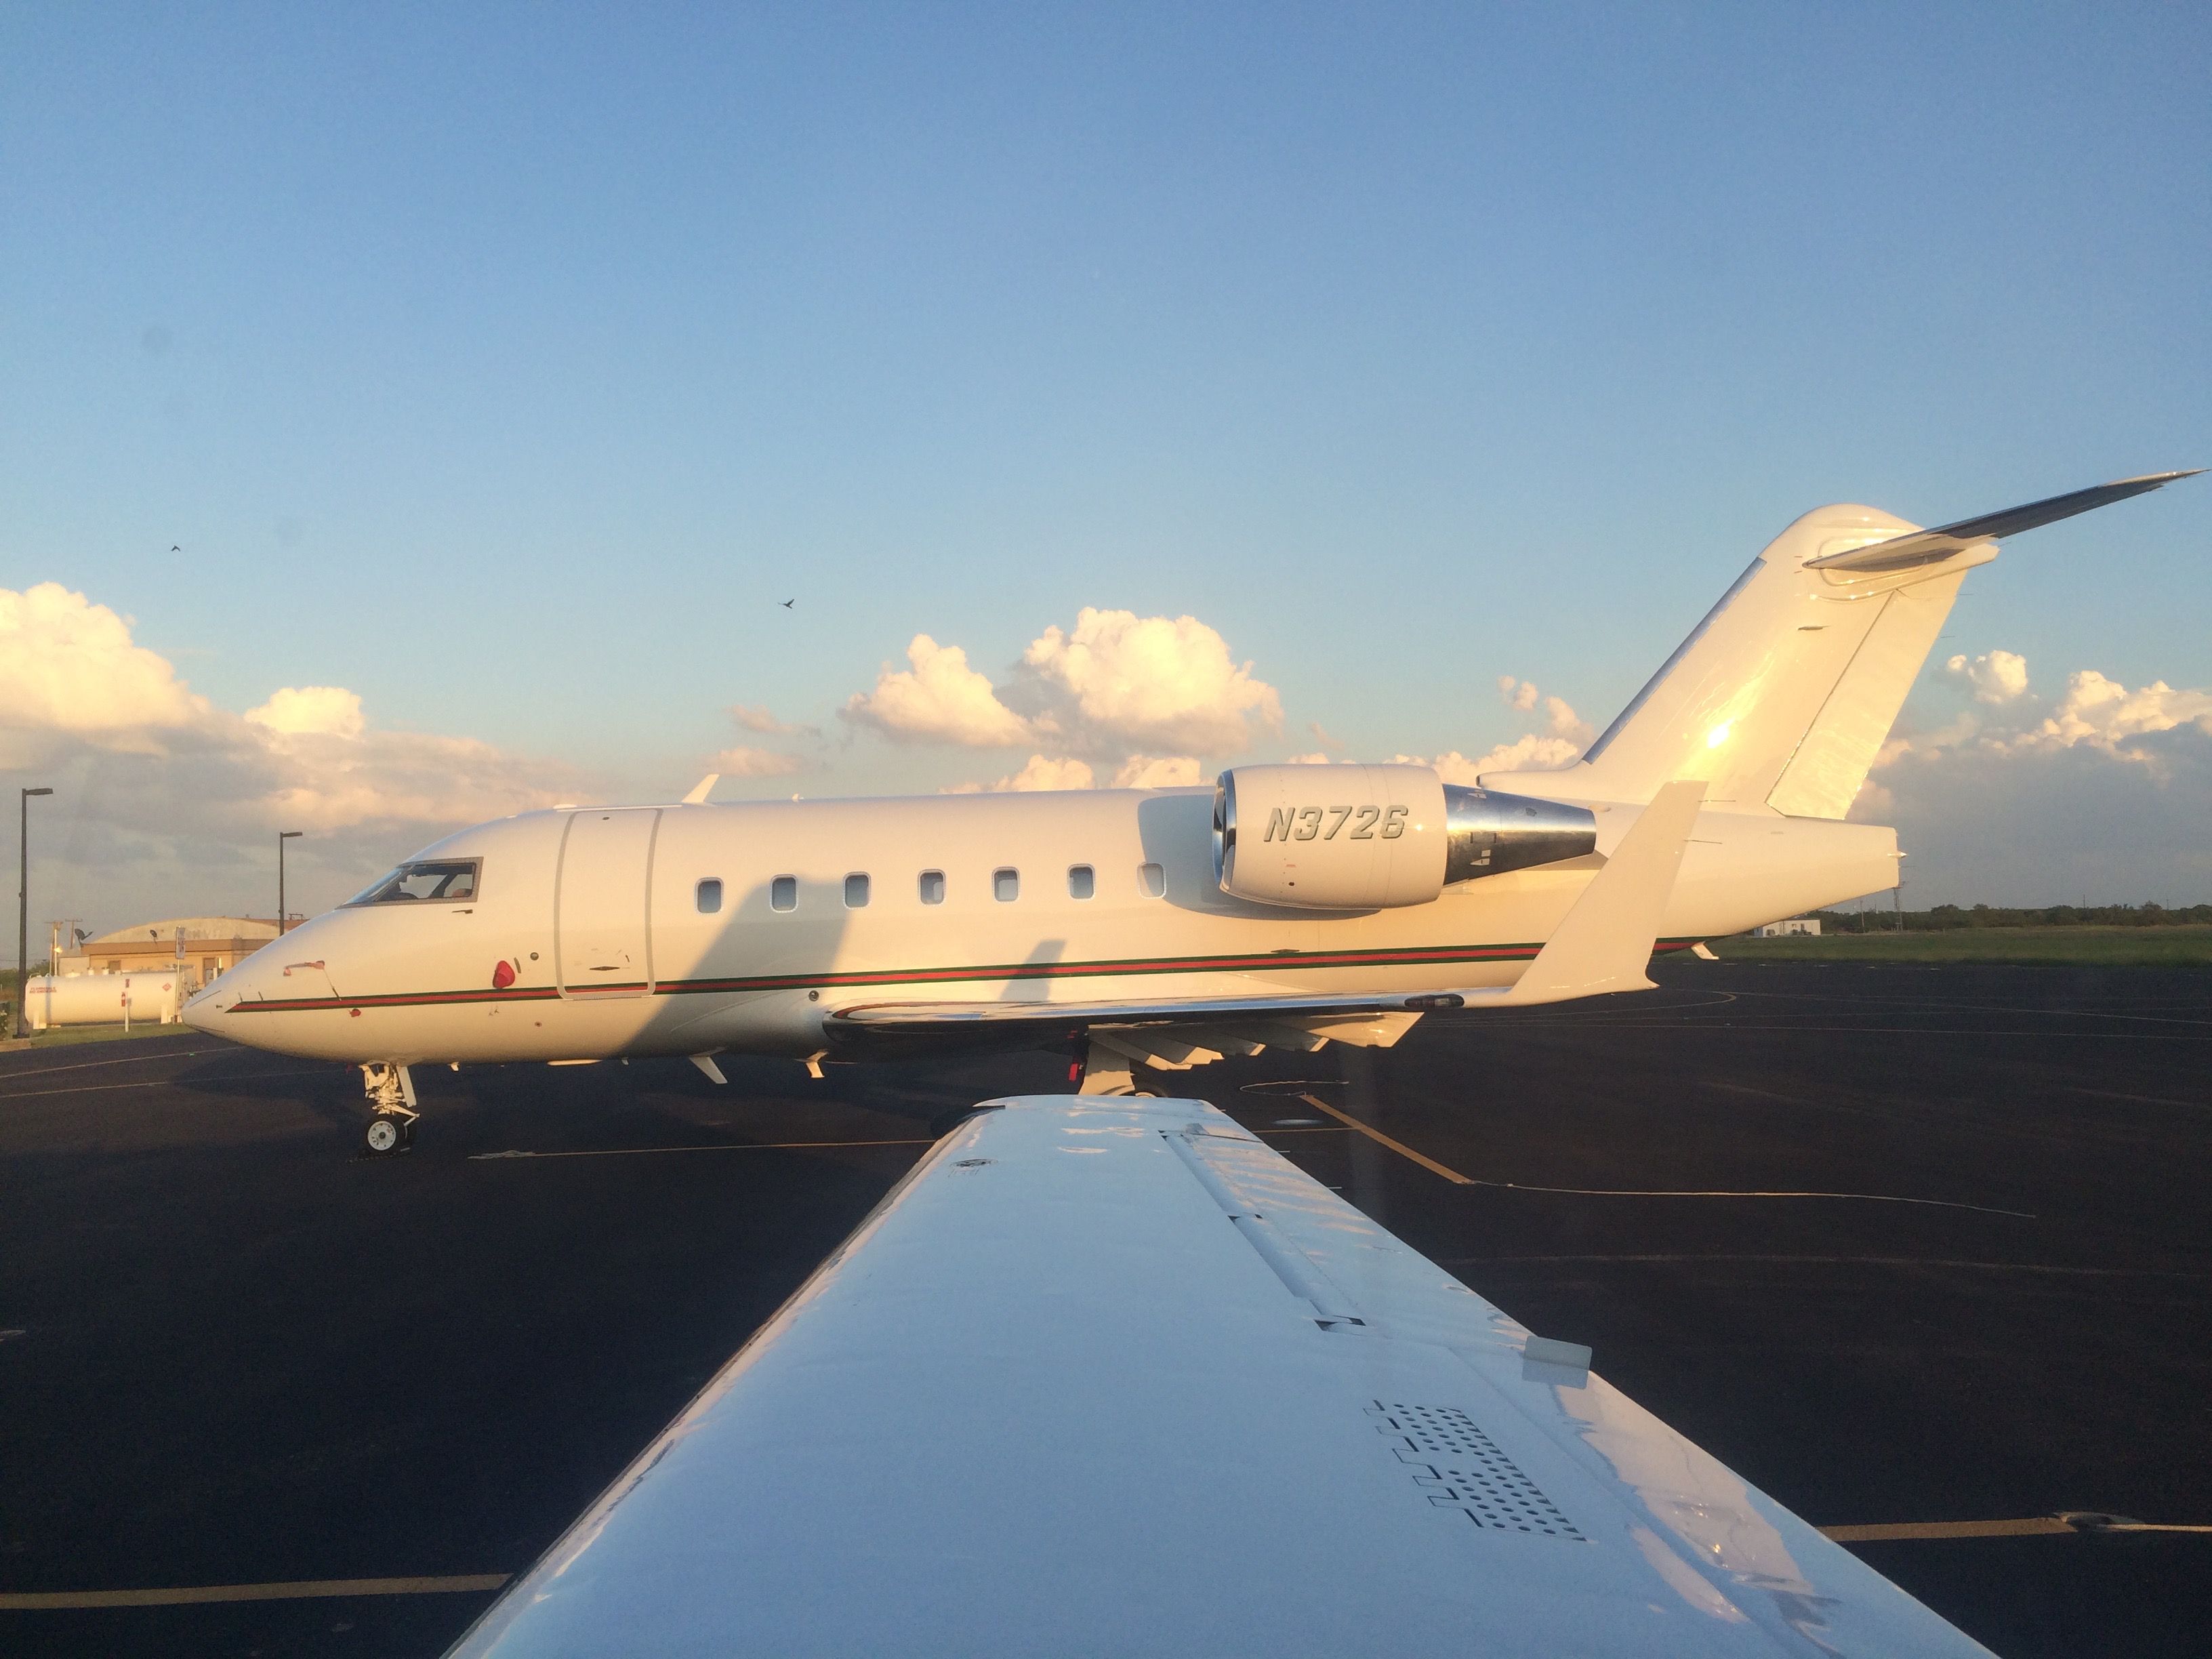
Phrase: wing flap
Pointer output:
(1110, 1376)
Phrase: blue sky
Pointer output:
(506, 365)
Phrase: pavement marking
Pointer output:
(1702, 1192)
(1757, 1026)
(1975, 1008)
(298, 1589)
(1880, 1532)
(712, 1146)
(1831, 1261)
(129, 1060)
(2026, 1527)
(2139, 1100)
(157, 1083)
(1457, 1179)
(1382, 1140)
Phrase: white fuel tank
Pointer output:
(1330, 837)
(52, 999)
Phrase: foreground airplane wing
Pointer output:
(1112, 1376)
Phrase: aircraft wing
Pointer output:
(1109, 1377)
(1169, 1034)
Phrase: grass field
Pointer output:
(2150, 947)
(66, 1036)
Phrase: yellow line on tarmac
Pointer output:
(299, 1589)
(712, 1146)
(1382, 1140)
(1882, 1533)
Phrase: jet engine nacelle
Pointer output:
(1330, 837)
(1377, 837)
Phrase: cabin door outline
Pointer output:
(602, 928)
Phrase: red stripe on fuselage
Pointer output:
(995, 972)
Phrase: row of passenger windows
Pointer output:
(929, 887)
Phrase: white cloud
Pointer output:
(939, 698)
(2104, 712)
(1120, 681)
(1531, 753)
(1116, 685)
(1159, 772)
(1316, 758)
(1560, 744)
(1044, 772)
(329, 710)
(69, 671)
(1995, 677)
(156, 787)
(2094, 712)
(2101, 792)
(745, 762)
(759, 719)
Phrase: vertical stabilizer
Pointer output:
(1781, 699)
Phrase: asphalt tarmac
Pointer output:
(1900, 1245)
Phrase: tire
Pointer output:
(384, 1134)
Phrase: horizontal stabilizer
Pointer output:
(1927, 546)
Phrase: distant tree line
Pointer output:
(1951, 918)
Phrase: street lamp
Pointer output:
(282, 835)
(23, 916)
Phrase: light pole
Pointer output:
(23, 916)
(282, 835)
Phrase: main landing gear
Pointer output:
(392, 1097)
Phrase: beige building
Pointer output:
(198, 947)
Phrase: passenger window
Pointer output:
(1006, 885)
(932, 887)
(710, 896)
(783, 893)
(856, 891)
(1152, 879)
(1081, 883)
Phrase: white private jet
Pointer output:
(1108, 1376)
(1157, 928)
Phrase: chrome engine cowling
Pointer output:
(1490, 833)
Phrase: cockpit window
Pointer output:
(448, 881)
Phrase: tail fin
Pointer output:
(1785, 693)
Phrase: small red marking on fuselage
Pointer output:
(502, 976)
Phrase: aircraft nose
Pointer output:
(208, 1008)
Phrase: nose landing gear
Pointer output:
(391, 1095)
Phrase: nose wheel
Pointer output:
(392, 1097)
(387, 1132)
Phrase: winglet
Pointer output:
(1605, 943)
(703, 789)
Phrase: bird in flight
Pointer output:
(787, 604)
(173, 548)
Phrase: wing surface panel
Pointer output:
(1109, 1376)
